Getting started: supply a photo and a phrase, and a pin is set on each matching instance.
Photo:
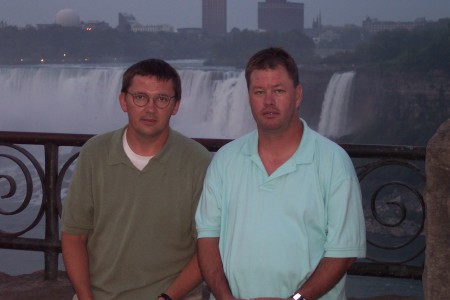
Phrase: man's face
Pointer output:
(274, 100)
(148, 121)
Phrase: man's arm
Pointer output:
(189, 278)
(212, 268)
(327, 274)
(77, 264)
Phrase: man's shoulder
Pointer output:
(325, 145)
(239, 145)
(189, 145)
(102, 140)
(329, 155)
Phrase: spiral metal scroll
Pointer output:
(363, 172)
(60, 180)
(12, 188)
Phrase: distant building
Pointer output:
(214, 17)
(316, 28)
(67, 18)
(95, 25)
(127, 23)
(280, 15)
(152, 28)
(374, 26)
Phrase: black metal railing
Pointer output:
(35, 169)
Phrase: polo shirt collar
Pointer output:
(303, 155)
(117, 153)
(305, 151)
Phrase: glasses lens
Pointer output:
(140, 99)
(161, 101)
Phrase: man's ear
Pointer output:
(123, 102)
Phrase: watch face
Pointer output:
(297, 296)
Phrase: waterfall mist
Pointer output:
(334, 118)
(84, 99)
(67, 99)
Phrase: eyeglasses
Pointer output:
(161, 101)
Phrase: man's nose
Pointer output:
(150, 106)
(269, 99)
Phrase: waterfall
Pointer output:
(214, 105)
(84, 99)
(67, 99)
(334, 118)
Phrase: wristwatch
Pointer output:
(164, 296)
(297, 296)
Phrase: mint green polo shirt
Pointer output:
(275, 229)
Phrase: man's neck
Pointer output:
(147, 146)
(276, 148)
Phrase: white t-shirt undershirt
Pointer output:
(138, 161)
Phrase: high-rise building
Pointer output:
(280, 15)
(214, 17)
(126, 22)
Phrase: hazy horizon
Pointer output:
(242, 14)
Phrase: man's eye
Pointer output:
(140, 97)
(258, 93)
(279, 92)
(162, 98)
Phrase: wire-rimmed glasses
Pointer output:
(161, 101)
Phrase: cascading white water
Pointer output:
(214, 105)
(334, 117)
(84, 99)
(67, 99)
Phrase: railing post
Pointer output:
(51, 213)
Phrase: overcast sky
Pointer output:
(241, 13)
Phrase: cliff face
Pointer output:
(314, 82)
(405, 107)
(386, 107)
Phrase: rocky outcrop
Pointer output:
(314, 82)
(387, 107)
(436, 276)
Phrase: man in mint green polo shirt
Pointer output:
(280, 214)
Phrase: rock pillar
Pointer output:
(436, 277)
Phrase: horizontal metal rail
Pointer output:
(389, 200)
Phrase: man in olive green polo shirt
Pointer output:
(128, 228)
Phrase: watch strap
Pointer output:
(165, 296)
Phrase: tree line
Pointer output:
(424, 48)
(57, 44)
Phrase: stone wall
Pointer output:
(436, 277)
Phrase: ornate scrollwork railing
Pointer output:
(393, 222)
(392, 179)
(12, 190)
